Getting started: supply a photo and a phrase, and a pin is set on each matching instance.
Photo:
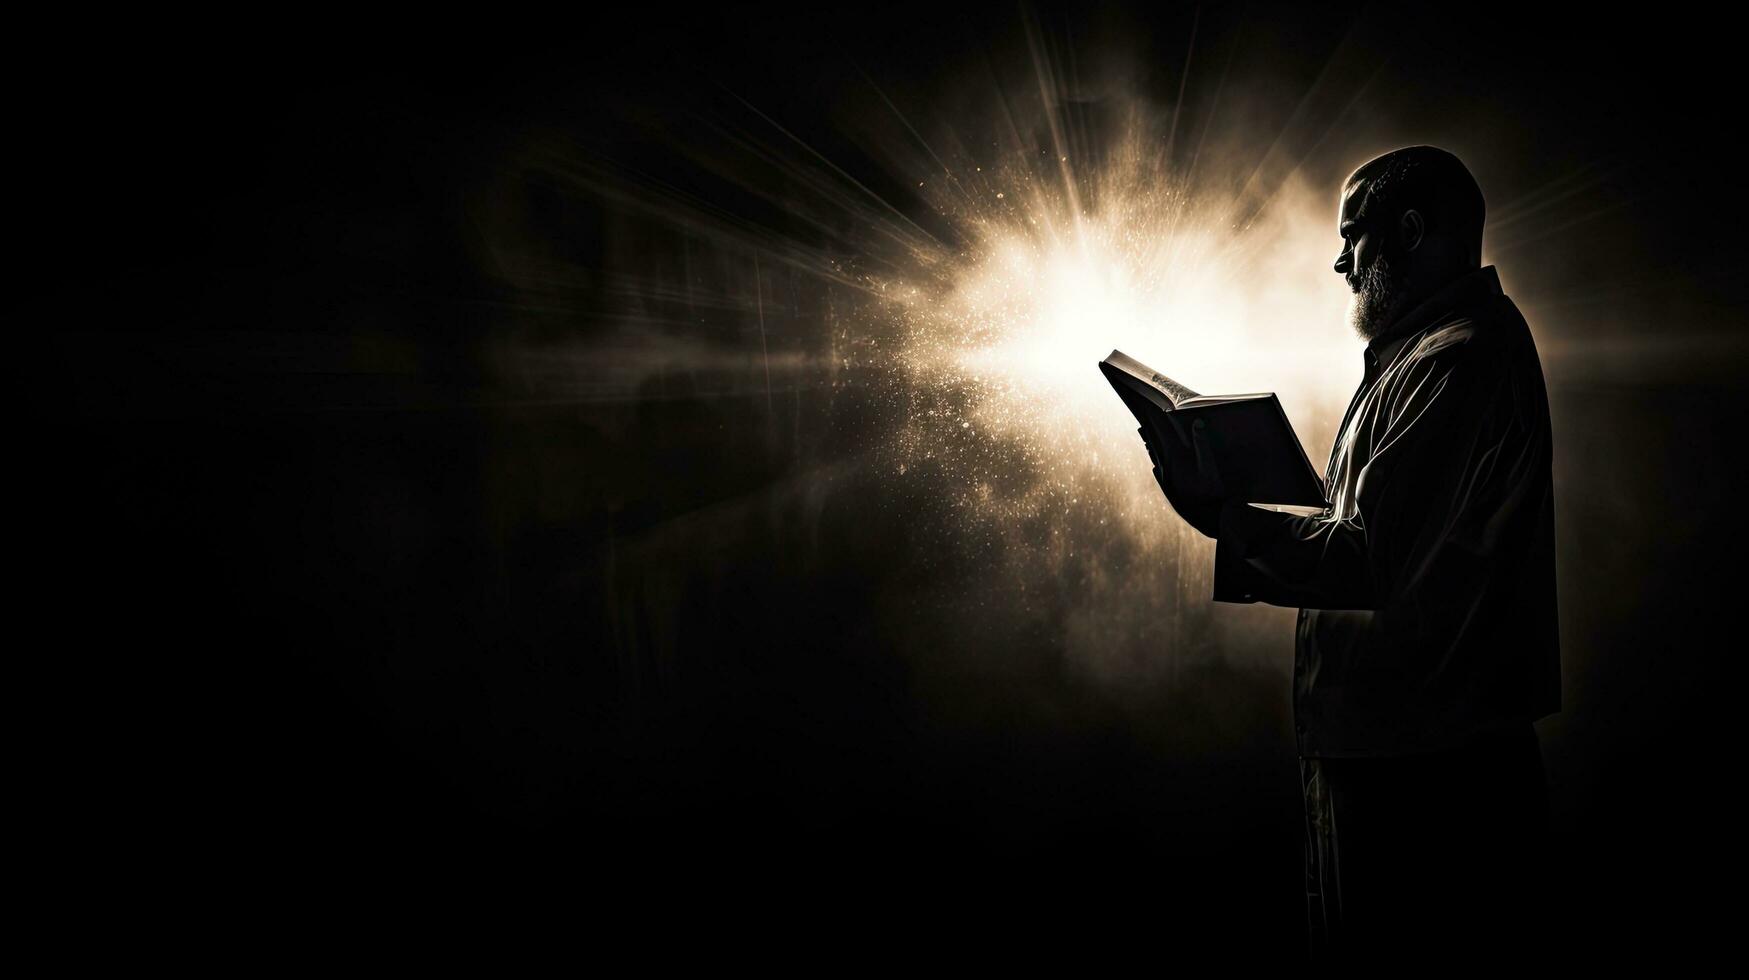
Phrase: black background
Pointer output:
(311, 643)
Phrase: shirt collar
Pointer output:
(1462, 291)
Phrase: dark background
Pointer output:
(342, 605)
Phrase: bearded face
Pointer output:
(1375, 290)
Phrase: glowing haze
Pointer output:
(1064, 264)
(961, 359)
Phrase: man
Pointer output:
(1426, 643)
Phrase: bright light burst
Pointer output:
(953, 368)
(1065, 265)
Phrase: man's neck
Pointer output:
(1412, 309)
(1430, 283)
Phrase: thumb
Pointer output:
(1199, 439)
(1202, 440)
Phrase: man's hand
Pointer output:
(1187, 475)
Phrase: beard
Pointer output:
(1375, 292)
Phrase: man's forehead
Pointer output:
(1353, 199)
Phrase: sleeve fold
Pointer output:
(1428, 430)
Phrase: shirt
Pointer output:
(1427, 588)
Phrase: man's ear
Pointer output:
(1411, 229)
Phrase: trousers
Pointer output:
(1420, 861)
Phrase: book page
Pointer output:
(1201, 400)
(1174, 392)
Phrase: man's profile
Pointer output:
(1426, 644)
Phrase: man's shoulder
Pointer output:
(1501, 334)
(1487, 330)
(1455, 331)
(1441, 344)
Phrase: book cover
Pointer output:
(1259, 456)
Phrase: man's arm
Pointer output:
(1282, 560)
(1435, 430)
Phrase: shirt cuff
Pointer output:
(1247, 530)
(1244, 533)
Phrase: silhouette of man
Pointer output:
(1426, 643)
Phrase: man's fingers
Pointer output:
(1180, 437)
(1189, 467)
(1200, 445)
(1207, 473)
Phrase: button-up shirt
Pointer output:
(1427, 588)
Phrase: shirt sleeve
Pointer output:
(1433, 436)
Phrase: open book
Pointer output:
(1259, 458)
